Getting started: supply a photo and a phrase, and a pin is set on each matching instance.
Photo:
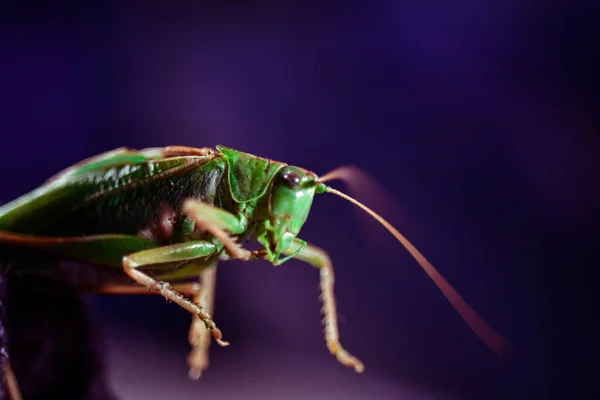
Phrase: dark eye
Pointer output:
(291, 179)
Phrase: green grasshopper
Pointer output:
(159, 219)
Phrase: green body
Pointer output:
(126, 201)
(168, 214)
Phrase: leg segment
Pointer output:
(215, 221)
(203, 295)
(174, 151)
(11, 384)
(198, 337)
(218, 222)
(174, 253)
(187, 289)
(318, 258)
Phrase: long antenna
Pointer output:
(485, 332)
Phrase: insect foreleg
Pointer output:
(168, 254)
(218, 222)
(320, 259)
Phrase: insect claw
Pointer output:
(359, 368)
(254, 254)
(346, 358)
(217, 335)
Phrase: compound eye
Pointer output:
(291, 179)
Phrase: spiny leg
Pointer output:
(202, 294)
(218, 223)
(320, 259)
(174, 253)
(215, 221)
(198, 359)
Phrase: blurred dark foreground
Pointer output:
(55, 347)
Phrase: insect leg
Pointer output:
(11, 384)
(173, 151)
(202, 294)
(187, 289)
(218, 222)
(320, 259)
(198, 336)
(174, 253)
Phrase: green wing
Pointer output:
(108, 171)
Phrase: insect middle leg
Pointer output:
(203, 295)
(174, 253)
(215, 221)
(320, 259)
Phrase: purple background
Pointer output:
(478, 118)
